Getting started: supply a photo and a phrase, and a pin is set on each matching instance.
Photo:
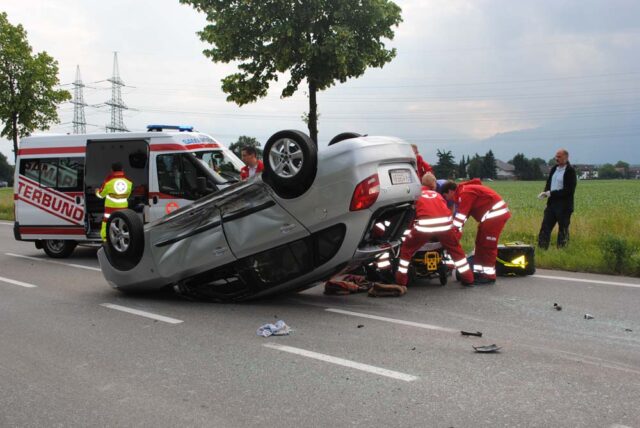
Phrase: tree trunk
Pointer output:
(313, 112)
(14, 123)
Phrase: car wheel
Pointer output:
(290, 163)
(343, 136)
(442, 273)
(125, 239)
(58, 248)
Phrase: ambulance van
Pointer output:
(56, 178)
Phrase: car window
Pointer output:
(221, 163)
(178, 175)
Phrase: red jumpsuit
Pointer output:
(433, 221)
(491, 212)
(423, 166)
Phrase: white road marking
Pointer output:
(142, 313)
(4, 223)
(342, 362)
(14, 282)
(394, 320)
(590, 281)
(40, 259)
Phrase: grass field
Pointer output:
(604, 232)
(605, 227)
(6, 203)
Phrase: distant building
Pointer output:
(586, 171)
(505, 171)
(634, 172)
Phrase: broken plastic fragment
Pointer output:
(557, 307)
(487, 348)
(588, 316)
(470, 333)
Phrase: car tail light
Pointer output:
(366, 193)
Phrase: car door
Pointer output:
(254, 222)
(189, 242)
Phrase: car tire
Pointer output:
(343, 136)
(125, 239)
(442, 273)
(290, 163)
(58, 248)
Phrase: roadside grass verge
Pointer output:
(604, 231)
(6, 203)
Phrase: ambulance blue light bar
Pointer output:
(160, 128)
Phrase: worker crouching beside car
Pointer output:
(490, 211)
(433, 222)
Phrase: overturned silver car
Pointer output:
(307, 217)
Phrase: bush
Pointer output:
(617, 251)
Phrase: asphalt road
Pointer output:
(69, 358)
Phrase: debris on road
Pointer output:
(557, 307)
(387, 290)
(360, 325)
(346, 284)
(277, 329)
(588, 316)
(627, 329)
(487, 348)
(470, 333)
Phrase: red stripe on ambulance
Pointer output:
(52, 150)
(49, 230)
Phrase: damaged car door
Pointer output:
(193, 240)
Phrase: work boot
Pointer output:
(483, 280)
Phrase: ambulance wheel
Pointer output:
(290, 163)
(442, 273)
(125, 239)
(343, 136)
(58, 248)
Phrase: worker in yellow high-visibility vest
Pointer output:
(115, 190)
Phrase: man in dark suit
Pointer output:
(560, 189)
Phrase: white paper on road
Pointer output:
(142, 313)
(14, 282)
(342, 362)
(393, 320)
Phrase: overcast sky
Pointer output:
(466, 70)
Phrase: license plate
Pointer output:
(400, 176)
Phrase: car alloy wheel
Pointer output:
(286, 158)
(119, 235)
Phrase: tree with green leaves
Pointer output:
(475, 167)
(489, 166)
(462, 167)
(28, 98)
(608, 171)
(623, 168)
(245, 141)
(318, 41)
(6, 170)
(446, 167)
(526, 169)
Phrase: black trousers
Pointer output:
(555, 213)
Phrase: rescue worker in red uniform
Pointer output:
(253, 164)
(490, 211)
(433, 222)
(422, 166)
